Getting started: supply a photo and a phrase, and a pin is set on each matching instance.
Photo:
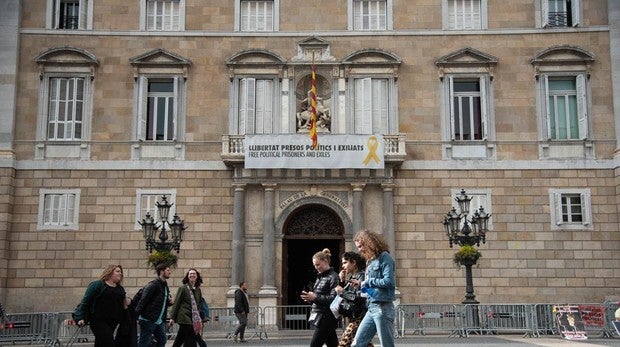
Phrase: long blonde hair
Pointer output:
(108, 271)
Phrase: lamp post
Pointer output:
(150, 228)
(459, 232)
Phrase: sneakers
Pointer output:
(235, 338)
(243, 341)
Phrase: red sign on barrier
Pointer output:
(593, 315)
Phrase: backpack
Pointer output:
(136, 299)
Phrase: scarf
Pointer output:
(196, 320)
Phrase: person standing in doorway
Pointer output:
(321, 296)
(242, 310)
(152, 308)
(380, 287)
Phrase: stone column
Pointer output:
(237, 273)
(358, 217)
(613, 15)
(268, 294)
(388, 225)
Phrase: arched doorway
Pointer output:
(309, 229)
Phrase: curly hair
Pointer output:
(374, 243)
(108, 271)
(356, 258)
(198, 277)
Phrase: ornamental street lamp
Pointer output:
(460, 232)
(150, 227)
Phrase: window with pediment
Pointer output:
(160, 91)
(466, 78)
(371, 91)
(65, 102)
(255, 91)
(69, 14)
(563, 102)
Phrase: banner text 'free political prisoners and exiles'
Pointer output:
(295, 151)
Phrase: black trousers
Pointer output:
(186, 336)
(325, 331)
(104, 333)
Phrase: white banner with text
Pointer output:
(295, 151)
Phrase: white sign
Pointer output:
(295, 151)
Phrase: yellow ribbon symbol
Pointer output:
(373, 145)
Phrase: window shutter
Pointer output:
(83, 14)
(544, 9)
(243, 104)
(248, 106)
(56, 18)
(484, 101)
(582, 107)
(259, 119)
(586, 208)
(575, 12)
(451, 105)
(142, 106)
(267, 100)
(547, 107)
(175, 107)
(557, 205)
(366, 116)
(379, 113)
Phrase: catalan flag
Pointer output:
(313, 135)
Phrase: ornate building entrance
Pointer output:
(309, 229)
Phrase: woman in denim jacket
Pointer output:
(380, 286)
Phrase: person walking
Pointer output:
(103, 306)
(151, 309)
(242, 310)
(185, 310)
(321, 296)
(380, 286)
(351, 277)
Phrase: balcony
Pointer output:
(232, 149)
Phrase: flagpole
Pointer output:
(313, 134)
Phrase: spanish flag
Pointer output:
(313, 135)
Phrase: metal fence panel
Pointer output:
(424, 318)
(27, 327)
(224, 320)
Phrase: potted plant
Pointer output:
(467, 255)
(159, 257)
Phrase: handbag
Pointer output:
(351, 305)
(204, 310)
(335, 306)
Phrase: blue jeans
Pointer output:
(149, 329)
(379, 319)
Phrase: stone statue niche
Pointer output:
(323, 104)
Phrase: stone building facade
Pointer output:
(106, 105)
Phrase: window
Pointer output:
(570, 209)
(256, 104)
(566, 111)
(65, 103)
(65, 108)
(163, 15)
(560, 13)
(256, 15)
(158, 109)
(69, 14)
(58, 209)
(465, 14)
(468, 99)
(145, 202)
(369, 15)
(479, 198)
(372, 105)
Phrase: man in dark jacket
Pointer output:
(151, 309)
(242, 309)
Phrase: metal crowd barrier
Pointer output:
(28, 328)
(533, 320)
(224, 320)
